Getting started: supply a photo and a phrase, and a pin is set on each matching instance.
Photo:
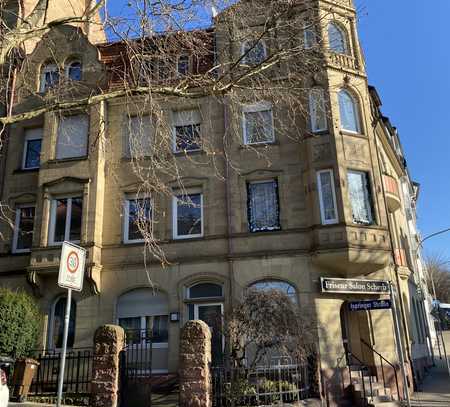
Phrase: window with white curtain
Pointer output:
(254, 52)
(72, 139)
(138, 135)
(317, 110)
(186, 130)
(337, 39)
(349, 112)
(360, 197)
(327, 197)
(263, 206)
(258, 123)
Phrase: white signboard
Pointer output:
(71, 267)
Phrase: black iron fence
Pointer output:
(261, 386)
(77, 372)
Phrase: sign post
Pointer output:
(71, 275)
(398, 339)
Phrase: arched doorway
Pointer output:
(356, 327)
(143, 313)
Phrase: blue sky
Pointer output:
(408, 60)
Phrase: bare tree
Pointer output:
(439, 277)
(164, 53)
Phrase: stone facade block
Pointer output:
(109, 340)
(195, 358)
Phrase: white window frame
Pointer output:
(357, 108)
(321, 203)
(255, 108)
(45, 69)
(126, 225)
(14, 248)
(174, 132)
(175, 217)
(29, 137)
(243, 51)
(68, 66)
(52, 223)
(321, 93)
(88, 128)
(159, 345)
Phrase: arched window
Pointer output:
(279, 285)
(349, 112)
(254, 52)
(337, 39)
(57, 323)
(74, 70)
(49, 77)
(317, 111)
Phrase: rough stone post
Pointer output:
(109, 340)
(194, 371)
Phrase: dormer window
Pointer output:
(254, 52)
(49, 77)
(337, 39)
(74, 71)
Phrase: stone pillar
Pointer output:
(109, 340)
(194, 371)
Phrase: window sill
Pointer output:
(67, 160)
(26, 170)
(351, 133)
(259, 145)
(187, 238)
(188, 152)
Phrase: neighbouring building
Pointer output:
(339, 204)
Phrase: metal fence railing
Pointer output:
(260, 386)
(77, 372)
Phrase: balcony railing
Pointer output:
(343, 60)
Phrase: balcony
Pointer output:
(44, 263)
(392, 193)
(342, 61)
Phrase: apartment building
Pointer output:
(339, 204)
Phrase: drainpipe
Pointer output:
(391, 241)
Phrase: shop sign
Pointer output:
(369, 305)
(354, 286)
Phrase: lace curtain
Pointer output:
(317, 110)
(263, 206)
(348, 112)
(328, 203)
(359, 197)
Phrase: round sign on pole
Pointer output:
(71, 266)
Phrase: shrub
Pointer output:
(20, 323)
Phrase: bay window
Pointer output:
(65, 220)
(72, 138)
(23, 229)
(360, 197)
(327, 197)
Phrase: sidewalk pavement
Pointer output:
(435, 388)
